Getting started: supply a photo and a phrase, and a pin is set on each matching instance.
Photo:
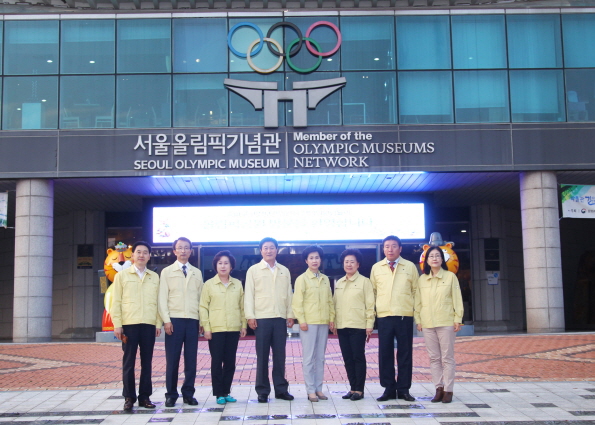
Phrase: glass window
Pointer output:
(370, 98)
(368, 42)
(534, 41)
(1, 42)
(537, 96)
(200, 45)
(425, 97)
(328, 111)
(579, 31)
(200, 101)
(245, 35)
(87, 101)
(481, 96)
(31, 47)
(88, 47)
(324, 35)
(137, 107)
(242, 113)
(478, 41)
(30, 103)
(423, 42)
(144, 45)
(580, 94)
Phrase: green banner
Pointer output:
(578, 201)
(3, 209)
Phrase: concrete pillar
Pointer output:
(541, 252)
(33, 271)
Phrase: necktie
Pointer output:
(392, 266)
(184, 269)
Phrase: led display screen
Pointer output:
(333, 222)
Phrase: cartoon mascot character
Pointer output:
(117, 260)
(452, 261)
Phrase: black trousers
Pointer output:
(389, 328)
(270, 334)
(139, 336)
(353, 348)
(223, 347)
(185, 334)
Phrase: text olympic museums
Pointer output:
(310, 150)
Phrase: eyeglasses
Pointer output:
(435, 257)
(183, 249)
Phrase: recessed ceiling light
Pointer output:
(198, 60)
(50, 61)
(376, 59)
(43, 100)
(91, 61)
(463, 231)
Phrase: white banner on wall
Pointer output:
(250, 223)
(3, 209)
(578, 201)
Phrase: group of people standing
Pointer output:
(222, 309)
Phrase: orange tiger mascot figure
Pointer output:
(117, 260)
(452, 261)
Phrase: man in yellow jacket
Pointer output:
(179, 297)
(137, 323)
(267, 305)
(395, 282)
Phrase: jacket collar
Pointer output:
(353, 278)
(311, 275)
(440, 274)
(218, 281)
(263, 264)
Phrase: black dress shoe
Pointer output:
(146, 404)
(128, 403)
(406, 396)
(387, 396)
(347, 396)
(170, 402)
(263, 398)
(357, 396)
(191, 401)
(284, 396)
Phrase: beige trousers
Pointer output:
(440, 343)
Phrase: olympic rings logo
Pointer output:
(292, 49)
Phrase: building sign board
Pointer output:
(271, 150)
(320, 149)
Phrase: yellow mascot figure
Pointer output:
(117, 260)
(452, 261)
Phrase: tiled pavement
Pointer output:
(532, 379)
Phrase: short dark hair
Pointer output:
(309, 250)
(265, 240)
(392, 238)
(181, 239)
(426, 267)
(143, 243)
(355, 252)
(217, 257)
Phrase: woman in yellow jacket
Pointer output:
(313, 306)
(439, 313)
(221, 312)
(354, 320)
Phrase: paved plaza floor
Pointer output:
(520, 379)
